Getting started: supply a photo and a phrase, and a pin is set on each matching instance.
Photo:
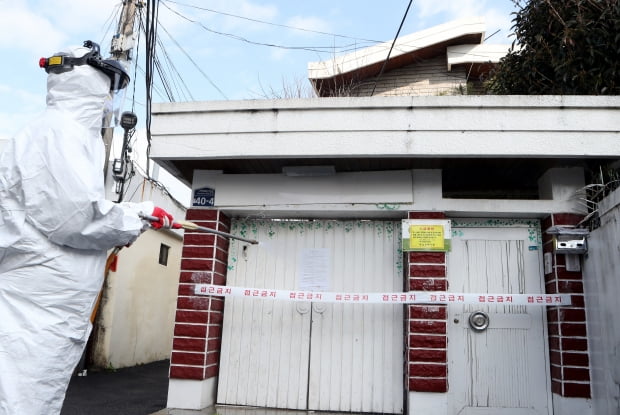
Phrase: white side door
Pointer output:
(503, 369)
(317, 356)
(265, 343)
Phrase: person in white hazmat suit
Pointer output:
(55, 229)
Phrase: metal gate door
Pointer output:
(503, 368)
(314, 356)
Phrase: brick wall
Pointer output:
(427, 367)
(198, 321)
(568, 343)
(425, 77)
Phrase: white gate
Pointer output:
(503, 369)
(314, 356)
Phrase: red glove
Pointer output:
(165, 219)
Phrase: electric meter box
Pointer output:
(565, 244)
(569, 240)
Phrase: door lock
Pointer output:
(479, 321)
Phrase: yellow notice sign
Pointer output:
(426, 237)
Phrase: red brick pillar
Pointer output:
(198, 321)
(427, 341)
(568, 342)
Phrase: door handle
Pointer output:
(303, 307)
(479, 321)
(319, 307)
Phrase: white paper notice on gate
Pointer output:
(314, 268)
(410, 297)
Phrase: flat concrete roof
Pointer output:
(382, 133)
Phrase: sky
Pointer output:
(217, 49)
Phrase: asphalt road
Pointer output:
(139, 390)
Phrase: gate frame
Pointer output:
(194, 363)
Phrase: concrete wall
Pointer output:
(135, 321)
(602, 287)
(388, 194)
(137, 317)
(429, 126)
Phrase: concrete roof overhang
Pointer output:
(471, 138)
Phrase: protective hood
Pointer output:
(82, 92)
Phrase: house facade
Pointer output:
(393, 158)
(324, 185)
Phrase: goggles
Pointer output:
(119, 78)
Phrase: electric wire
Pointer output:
(172, 82)
(319, 49)
(131, 173)
(159, 185)
(134, 193)
(123, 177)
(402, 22)
(156, 88)
(163, 77)
(150, 24)
(165, 71)
(156, 63)
(195, 64)
(108, 24)
(271, 23)
(136, 60)
(471, 67)
(152, 10)
(181, 87)
(169, 93)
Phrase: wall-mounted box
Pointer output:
(563, 245)
(569, 240)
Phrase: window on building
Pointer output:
(163, 254)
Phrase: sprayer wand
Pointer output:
(191, 226)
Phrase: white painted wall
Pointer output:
(427, 403)
(279, 189)
(137, 319)
(601, 274)
(383, 194)
(191, 395)
(136, 316)
(573, 406)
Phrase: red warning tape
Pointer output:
(410, 297)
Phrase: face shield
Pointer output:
(116, 100)
(113, 69)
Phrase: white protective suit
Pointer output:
(55, 229)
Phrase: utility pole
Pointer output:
(121, 48)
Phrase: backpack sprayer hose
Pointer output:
(193, 227)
